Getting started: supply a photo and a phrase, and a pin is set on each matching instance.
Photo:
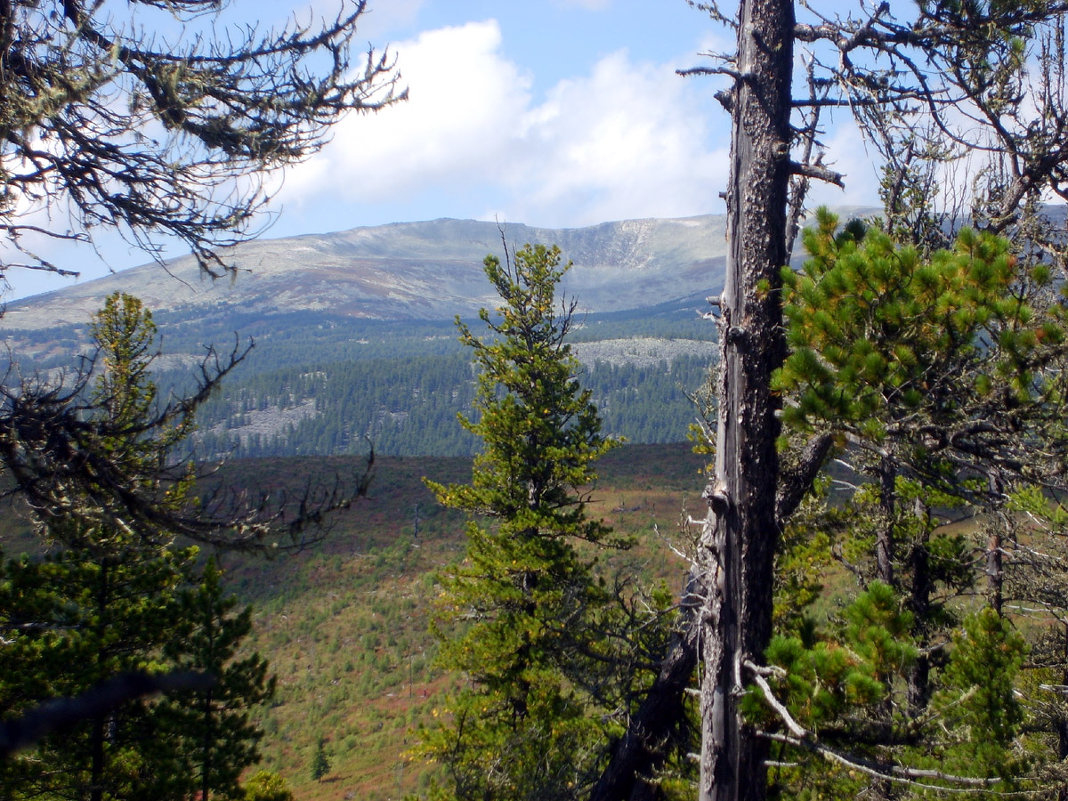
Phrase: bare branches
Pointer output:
(800, 737)
(60, 450)
(980, 90)
(167, 138)
(60, 713)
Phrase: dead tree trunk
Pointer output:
(640, 753)
(740, 532)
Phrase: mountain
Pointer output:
(405, 271)
(355, 338)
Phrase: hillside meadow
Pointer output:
(346, 624)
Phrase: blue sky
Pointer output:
(556, 113)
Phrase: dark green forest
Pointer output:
(407, 406)
(323, 384)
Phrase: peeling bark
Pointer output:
(740, 533)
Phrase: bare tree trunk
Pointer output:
(740, 533)
(645, 746)
(884, 537)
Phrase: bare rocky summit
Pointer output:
(417, 271)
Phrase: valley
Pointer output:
(346, 626)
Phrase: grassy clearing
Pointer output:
(346, 626)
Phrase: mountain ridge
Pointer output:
(429, 270)
(355, 339)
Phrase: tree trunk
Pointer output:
(994, 566)
(98, 730)
(645, 746)
(918, 693)
(884, 536)
(738, 541)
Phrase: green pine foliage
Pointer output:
(882, 339)
(525, 600)
(320, 765)
(941, 378)
(978, 701)
(838, 684)
(113, 598)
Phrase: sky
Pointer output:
(555, 113)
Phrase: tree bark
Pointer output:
(918, 693)
(738, 541)
(643, 749)
(884, 536)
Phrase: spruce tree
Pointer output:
(206, 737)
(115, 599)
(320, 762)
(524, 601)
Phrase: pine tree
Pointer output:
(320, 762)
(524, 726)
(940, 377)
(941, 80)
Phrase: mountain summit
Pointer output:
(408, 271)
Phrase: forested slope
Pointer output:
(326, 384)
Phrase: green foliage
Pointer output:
(539, 429)
(117, 599)
(320, 765)
(978, 699)
(940, 375)
(854, 670)
(839, 684)
(211, 737)
(525, 727)
(264, 785)
(74, 621)
(883, 338)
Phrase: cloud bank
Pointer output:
(626, 140)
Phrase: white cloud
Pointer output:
(629, 139)
(463, 98)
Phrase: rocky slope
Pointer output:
(406, 271)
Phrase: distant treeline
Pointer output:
(319, 384)
(408, 406)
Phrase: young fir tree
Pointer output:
(320, 762)
(117, 599)
(523, 726)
